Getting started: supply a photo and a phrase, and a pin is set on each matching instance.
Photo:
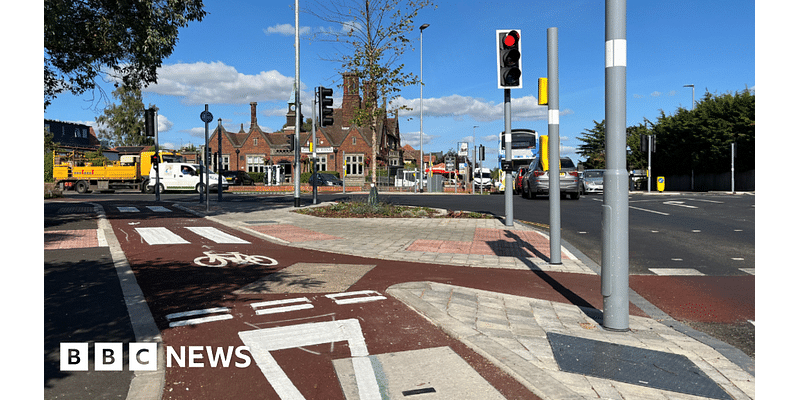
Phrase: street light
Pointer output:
(691, 86)
(421, 157)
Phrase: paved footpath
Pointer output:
(557, 350)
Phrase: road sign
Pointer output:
(206, 117)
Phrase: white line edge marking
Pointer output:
(262, 341)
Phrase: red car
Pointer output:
(518, 179)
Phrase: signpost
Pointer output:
(206, 117)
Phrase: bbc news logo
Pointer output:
(143, 356)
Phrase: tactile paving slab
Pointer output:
(649, 368)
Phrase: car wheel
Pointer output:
(200, 188)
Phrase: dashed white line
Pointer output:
(676, 272)
(201, 320)
(267, 307)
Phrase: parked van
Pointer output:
(183, 176)
(482, 178)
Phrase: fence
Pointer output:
(705, 182)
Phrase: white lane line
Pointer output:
(101, 238)
(160, 236)
(678, 204)
(268, 307)
(751, 271)
(676, 272)
(159, 209)
(201, 320)
(216, 235)
(650, 211)
(363, 297)
(128, 209)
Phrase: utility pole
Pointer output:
(297, 121)
(554, 158)
(614, 273)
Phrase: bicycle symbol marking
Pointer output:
(216, 260)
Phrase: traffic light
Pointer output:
(325, 106)
(291, 142)
(509, 59)
(154, 159)
(150, 122)
(481, 153)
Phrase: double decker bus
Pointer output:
(524, 147)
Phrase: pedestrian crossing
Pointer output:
(690, 271)
(162, 235)
(136, 209)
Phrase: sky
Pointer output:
(243, 51)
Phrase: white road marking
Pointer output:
(751, 271)
(128, 209)
(650, 211)
(262, 341)
(159, 209)
(101, 238)
(364, 296)
(274, 310)
(159, 236)
(195, 321)
(216, 235)
(678, 204)
(676, 272)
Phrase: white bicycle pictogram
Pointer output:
(216, 260)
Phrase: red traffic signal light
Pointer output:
(509, 59)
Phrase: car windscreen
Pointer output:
(593, 174)
(566, 163)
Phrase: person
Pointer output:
(185, 170)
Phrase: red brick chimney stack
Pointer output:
(253, 117)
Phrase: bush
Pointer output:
(305, 177)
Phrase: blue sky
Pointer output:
(243, 51)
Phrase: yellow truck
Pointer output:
(73, 171)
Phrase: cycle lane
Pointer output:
(313, 291)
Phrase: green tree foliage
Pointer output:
(700, 140)
(49, 146)
(376, 35)
(124, 39)
(123, 124)
(594, 146)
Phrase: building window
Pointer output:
(226, 162)
(85, 133)
(354, 141)
(255, 163)
(255, 141)
(322, 163)
(355, 164)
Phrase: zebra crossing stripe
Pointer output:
(280, 306)
(128, 209)
(362, 296)
(159, 209)
(676, 272)
(216, 235)
(155, 236)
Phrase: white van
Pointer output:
(482, 178)
(183, 176)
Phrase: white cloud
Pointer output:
(457, 106)
(164, 124)
(286, 30)
(217, 83)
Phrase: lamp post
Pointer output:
(237, 160)
(691, 86)
(421, 157)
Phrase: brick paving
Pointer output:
(491, 242)
(70, 239)
(292, 233)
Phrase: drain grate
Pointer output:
(649, 368)
(75, 210)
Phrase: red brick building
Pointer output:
(255, 150)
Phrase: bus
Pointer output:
(524, 147)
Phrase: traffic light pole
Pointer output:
(297, 120)
(615, 269)
(509, 192)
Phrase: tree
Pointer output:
(125, 39)
(594, 147)
(700, 140)
(123, 124)
(375, 33)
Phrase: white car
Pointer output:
(592, 181)
(183, 176)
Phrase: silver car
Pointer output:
(537, 181)
(593, 181)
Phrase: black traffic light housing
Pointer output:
(325, 106)
(154, 159)
(150, 122)
(509, 59)
(291, 142)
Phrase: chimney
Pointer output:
(253, 118)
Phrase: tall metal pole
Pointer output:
(649, 160)
(509, 193)
(297, 121)
(158, 176)
(314, 148)
(219, 161)
(614, 273)
(733, 168)
(421, 157)
(553, 151)
(691, 86)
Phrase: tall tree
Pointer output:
(376, 36)
(124, 39)
(594, 146)
(123, 124)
